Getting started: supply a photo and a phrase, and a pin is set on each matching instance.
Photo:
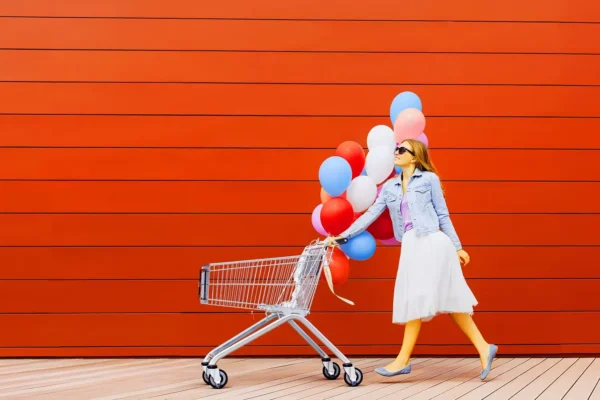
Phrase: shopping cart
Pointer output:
(282, 287)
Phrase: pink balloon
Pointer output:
(423, 139)
(409, 124)
(316, 220)
(390, 242)
(379, 189)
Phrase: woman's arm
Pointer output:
(366, 219)
(439, 204)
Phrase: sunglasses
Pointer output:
(402, 150)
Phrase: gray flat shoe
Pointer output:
(385, 372)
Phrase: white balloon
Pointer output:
(381, 135)
(361, 193)
(380, 163)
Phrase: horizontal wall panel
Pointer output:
(275, 164)
(265, 197)
(290, 351)
(270, 229)
(386, 68)
(185, 263)
(300, 132)
(470, 10)
(156, 296)
(47, 330)
(283, 99)
(286, 35)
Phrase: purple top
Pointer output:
(405, 214)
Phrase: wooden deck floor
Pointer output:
(439, 378)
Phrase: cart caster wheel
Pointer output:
(223, 382)
(336, 372)
(205, 378)
(359, 378)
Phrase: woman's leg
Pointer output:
(411, 333)
(467, 325)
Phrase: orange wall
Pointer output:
(119, 131)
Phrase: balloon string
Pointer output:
(329, 280)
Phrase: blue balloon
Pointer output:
(360, 247)
(398, 169)
(403, 101)
(335, 175)
(364, 172)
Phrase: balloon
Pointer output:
(357, 215)
(339, 267)
(379, 189)
(335, 174)
(403, 101)
(354, 154)
(409, 124)
(398, 169)
(382, 228)
(361, 247)
(361, 193)
(380, 162)
(364, 172)
(325, 196)
(390, 242)
(423, 139)
(316, 220)
(381, 135)
(337, 215)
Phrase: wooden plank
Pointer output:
(271, 164)
(288, 351)
(561, 386)
(219, 67)
(289, 35)
(42, 296)
(513, 387)
(469, 10)
(301, 132)
(301, 197)
(539, 385)
(174, 329)
(268, 229)
(296, 99)
(184, 263)
(585, 385)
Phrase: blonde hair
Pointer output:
(422, 158)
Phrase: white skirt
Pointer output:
(430, 279)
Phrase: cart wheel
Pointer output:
(223, 380)
(205, 378)
(336, 372)
(359, 378)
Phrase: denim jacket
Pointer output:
(426, 205)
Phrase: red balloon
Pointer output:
(339, 266)
(325, 196)
(354, 154)
(382, 228)
(356, 216)
(337, 215)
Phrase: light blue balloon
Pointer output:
(361, 247)
(335, 175)
(403, 101)
(364, 172)
(398, 169)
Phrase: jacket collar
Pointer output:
(398, 179)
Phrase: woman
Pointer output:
(429, 279)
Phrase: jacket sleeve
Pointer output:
(367, 218)
(441, 209)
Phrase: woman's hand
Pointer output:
(463, 257)
(332, 240)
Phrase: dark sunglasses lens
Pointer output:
(400, 150)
